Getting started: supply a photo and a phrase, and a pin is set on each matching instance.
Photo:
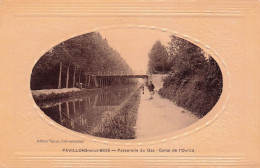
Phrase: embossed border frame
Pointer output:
(241, 9)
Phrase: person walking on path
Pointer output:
(142, 86)
(151, 89)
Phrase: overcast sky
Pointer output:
(134, 44)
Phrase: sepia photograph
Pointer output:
(129, 84)
(126, 83)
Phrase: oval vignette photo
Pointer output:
(126, 83)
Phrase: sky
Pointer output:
(134, 44)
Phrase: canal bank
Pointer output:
(56, 95)
(120, 124)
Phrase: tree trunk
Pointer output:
(79, 76)
(88, 77)
(74, 76)
(88, 80)
(68, 76)
(95, 81)
(59, 84)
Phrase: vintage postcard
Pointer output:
(138, 83)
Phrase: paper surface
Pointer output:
(228, 136)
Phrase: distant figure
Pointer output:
(151, 89)
(142, 86)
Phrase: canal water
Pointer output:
(84, 113)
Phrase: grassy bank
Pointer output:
(56, 96)
(196, 91)
(53, 97)
(120, 124)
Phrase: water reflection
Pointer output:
(83, 113)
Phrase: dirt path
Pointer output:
(160, 116)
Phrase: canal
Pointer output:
(85, 113)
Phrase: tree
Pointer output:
(87, 53)
(158, 58)
(195, 79)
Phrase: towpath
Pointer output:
(160, 116)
